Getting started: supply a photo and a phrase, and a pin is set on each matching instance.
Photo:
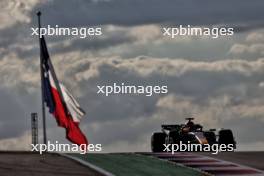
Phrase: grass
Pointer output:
(136, 165)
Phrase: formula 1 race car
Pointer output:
(189, 133)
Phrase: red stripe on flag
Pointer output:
(74, 134)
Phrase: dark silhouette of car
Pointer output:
(189, 133)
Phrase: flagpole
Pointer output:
(42, 90)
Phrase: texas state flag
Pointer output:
(60, 102)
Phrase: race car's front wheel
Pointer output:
(157, 141)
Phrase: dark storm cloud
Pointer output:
(242, 15)
(134, 12)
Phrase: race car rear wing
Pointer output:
(171, 127)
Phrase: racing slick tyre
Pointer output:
(157, 141)
(226, 137)
(210, 136)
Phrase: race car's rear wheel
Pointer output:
(226, 137)
(157, 141)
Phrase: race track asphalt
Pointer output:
(34, 164)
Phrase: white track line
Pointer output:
(87, 164)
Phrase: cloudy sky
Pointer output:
(218, 81)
